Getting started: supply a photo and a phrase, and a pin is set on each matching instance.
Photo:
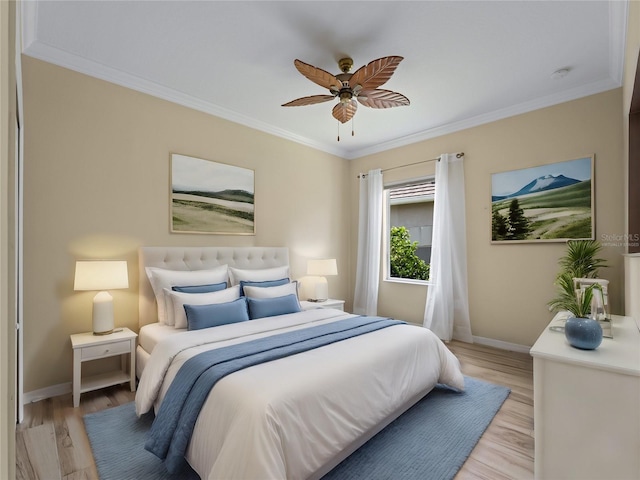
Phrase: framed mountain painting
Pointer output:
(549, 203)
(211, 197)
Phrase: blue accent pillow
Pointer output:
(214, 315)
(212, 287)
(265, 283)
(269, 307)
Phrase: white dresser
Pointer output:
(587, 406)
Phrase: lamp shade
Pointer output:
(101, 275)
(322, 267)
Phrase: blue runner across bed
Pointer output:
(172, 428)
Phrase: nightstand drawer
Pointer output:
(106, 350)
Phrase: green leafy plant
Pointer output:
(580, 260)
(576, 301)
(403, 260)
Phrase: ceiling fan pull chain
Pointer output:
(353, 134)
(338, 131)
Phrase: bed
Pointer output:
(294, 416)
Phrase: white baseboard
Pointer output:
(490, 342)
(47, 392)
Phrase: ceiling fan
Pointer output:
(347, 87)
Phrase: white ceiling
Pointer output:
(465, 62)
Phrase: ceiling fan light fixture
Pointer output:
(362, 85)
(345, 96)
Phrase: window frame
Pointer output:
(386, 226)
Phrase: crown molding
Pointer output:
(618, 13)
(87, 67)
(526, 107)
(618, 18)
(29, 20)
(84, 66)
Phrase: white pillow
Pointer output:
(257, 275)
(180, 299)
(161, 278)
(271, 292)
(170, 318)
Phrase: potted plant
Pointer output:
(579, 261)
(580, 330)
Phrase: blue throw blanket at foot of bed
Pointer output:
(172, 428)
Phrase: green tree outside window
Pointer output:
(403, 259)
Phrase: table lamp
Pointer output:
(320, 269)
(101, 275)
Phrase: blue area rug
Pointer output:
(430, 440)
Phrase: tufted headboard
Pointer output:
(198, 258)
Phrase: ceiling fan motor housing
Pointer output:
(345, 64)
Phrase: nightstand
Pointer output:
(87, 347)
(329, 303)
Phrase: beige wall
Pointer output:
(97, 183)
(7, 240)
(509, 285)
(97, 186)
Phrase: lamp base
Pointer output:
(102, 314)
(103, 333)
(321, 290)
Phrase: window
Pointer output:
(408, 228)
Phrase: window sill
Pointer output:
(407, 281)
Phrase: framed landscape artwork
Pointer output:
(549, 203)
(211, 197)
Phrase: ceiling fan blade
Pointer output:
(375, 73)
(380, 98)
(344, 112)
(313, 99)
(319, 76)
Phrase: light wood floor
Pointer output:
(52, 444)
(505, 451)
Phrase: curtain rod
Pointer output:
(458, 155)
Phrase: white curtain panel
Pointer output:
(365, 299)
(447, 308)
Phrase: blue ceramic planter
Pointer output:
(583, 333)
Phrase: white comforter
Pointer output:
(289, 417)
